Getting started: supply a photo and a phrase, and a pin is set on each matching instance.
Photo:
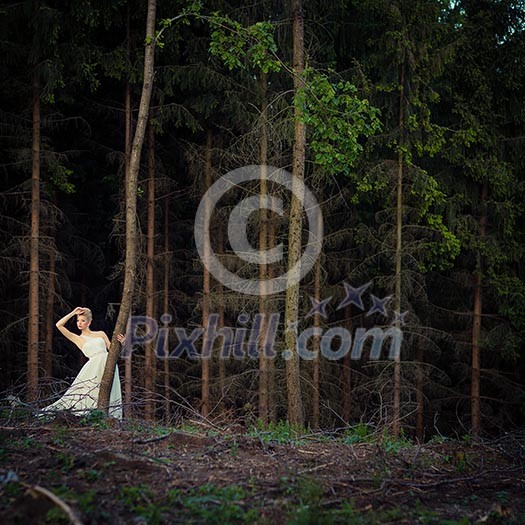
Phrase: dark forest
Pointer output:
(306, 219)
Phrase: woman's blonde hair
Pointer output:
(87, 314)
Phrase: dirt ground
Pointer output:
(67, 472)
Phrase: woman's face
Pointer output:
(82, 322)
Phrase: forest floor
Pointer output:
(79, 471)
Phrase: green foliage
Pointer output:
(89, 505)
(212, 504)
(511, 300)
(56, 516)
(95, 418)
(242, 47)
(66, 461)
(140, 501)
(191, 10)
(360, 433)
(393, 444)
(281, 432)
(309, 494)
(59, 176)
(27, 442)
(59, 435)
(92, 475)
(195, 429)
(337, 119)
(12, 490)
(439, 254)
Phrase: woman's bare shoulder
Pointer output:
(105, 337)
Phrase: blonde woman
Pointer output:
(82, 395)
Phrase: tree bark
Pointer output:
(166, 308)
(347, 372)
(131, 209)
(263, 269)
(222, 360)
(476, 327)
(420, 399)
(206, 290)
(32, 350)
(396, 422)
(128, 365)
(316, 348)
(150, 292)
(272, 406)
(293, 383)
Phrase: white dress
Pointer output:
(82, 395)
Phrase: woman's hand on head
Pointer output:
(79, 310)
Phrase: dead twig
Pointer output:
(313, 469)
(36, 490)
(151, 440)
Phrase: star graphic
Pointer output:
(353, 295)
(319, 307)
(378, 305)
(399, 318)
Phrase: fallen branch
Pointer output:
(35, 491)
(151, 440)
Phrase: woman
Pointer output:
(82, 395)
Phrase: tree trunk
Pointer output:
(166, 309)
(32, 350)
(272, 407)
(131, 209)
(316, 348)
(222, 360)
(476, 327)
(347, 372)
(420, 399)
(205, 361)
(293, 383)
(399, 227)
(150, 292)
(263, 269)
(128, 365)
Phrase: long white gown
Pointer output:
(82, 395)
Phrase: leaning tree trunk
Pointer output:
(128, 365)
(293, 383)
(131, 209)
(476, 328)
(396, 423)
(150, 292)
(32, 350)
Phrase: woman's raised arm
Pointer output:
(65, 332)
